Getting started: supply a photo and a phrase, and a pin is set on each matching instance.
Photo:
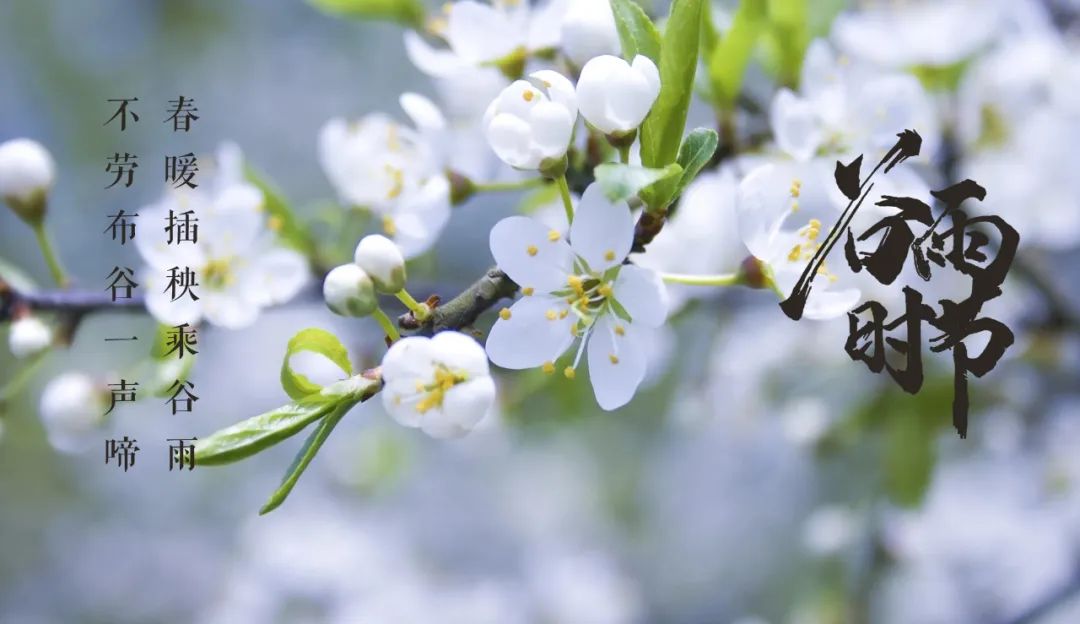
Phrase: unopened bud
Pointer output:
(26, 175)
(383, 262)
(28, 336)
(349, 291)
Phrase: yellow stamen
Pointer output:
(548, 367)
(532, 250)
(605, 290)
(796, 251)
(569, 372)
(620, 330)
(564, 313)
(389, 226)
(551, 315)
(528, 96)
(609, 255)
(614, 358)
(504, 314)
(553, 236)
(274, 223)
(528, 291)
(397, 182)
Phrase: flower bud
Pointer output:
(615, 96)
(26, 174)
(349, 291)
(28, 336)
(73, 409)
(532, 122)
(383, 262)
(588, 30)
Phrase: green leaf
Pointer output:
(910, 455)
(257, 433)
(316, 340)
(289, 228)
(304, 456)
(696, 151)
(662, 131)
(409, 12)
(621, 182)
(637, 33)
(729, 58)
(789, 35)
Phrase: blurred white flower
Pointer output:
(702, 236)
(843, 107)
(615, 96)
(568, 585)
(588, 30)
(349, 291)
(530, 126)
(29, 335)
(26, 169)
(396, 171)
(441, 384)
(381, 259)
(239, 266)
(577, 290)
(73, 411)
(483, 34)
(918, 32)
(829, 529)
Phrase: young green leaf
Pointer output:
(316, 340)
(408, 12)
(729, 58)
(637, 33)
(289, 228)
(304, 456)
(662, 131)
(696, 151)
(257, 433)
(621, 182)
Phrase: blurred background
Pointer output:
(760, 476)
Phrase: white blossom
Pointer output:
(381, 259)
(847, 108)
(918, 32)
(577, 290)
(530, 125)
(615, 96)
(479, 34)
(239, 265)
(441, 384)
(29, 335)
(588, 30)
(26, 169)
(73, 409)
(349, 291)
(394, 170)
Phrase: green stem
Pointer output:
(516, 185)
(568, 204)
(419, 310)
(386, 324)
(724, 279)
(624, 154)
(57, 271)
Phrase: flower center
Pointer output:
(218, 274)
(435, 392)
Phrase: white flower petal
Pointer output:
(463, 407)
(643, 294)
(422, 111)
(764, 202)
(509, 137)
(478, 32)
(529, 338)
(552, 127)
(795, 125)
(460, 351)
(630, 97)
(229, 309)
(559, 89)
(616, 363)
(276, 276)
(421, 217)
(408, 360)
(602, 231)
(432, 61)
(513, 243)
